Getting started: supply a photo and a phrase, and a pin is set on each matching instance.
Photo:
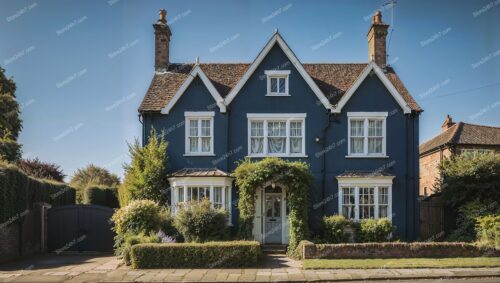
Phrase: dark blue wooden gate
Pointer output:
(80, 228)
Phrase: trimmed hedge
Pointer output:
(101, 196)
(194, 255)
(394, 250)
(18, 192)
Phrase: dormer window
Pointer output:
(277, 82)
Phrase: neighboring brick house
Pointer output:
(454, 139)
(355, 124)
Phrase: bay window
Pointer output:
(366, 134)
(276, 135)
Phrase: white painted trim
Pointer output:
(365, 116)
(296, 63)
(387, 83)
(198, 116)
(356, 181)
(278, 73)
(200, 181)
(197, 71)
(277, 115)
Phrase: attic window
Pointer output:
(277, 82)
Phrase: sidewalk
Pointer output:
(82, 268)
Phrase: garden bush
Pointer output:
(140, 216)
(101, 196)
(18, 192)
(130, 240)
(336, 229)
(372, 230)
(488, 231)
(196, 255)
(199, 222)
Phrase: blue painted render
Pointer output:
(231, 138)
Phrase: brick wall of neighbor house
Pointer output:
(393, 250)
(24, 238)
(429, 170)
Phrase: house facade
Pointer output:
(454, 139)
(356, 125)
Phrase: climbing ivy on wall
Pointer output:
(295, 176)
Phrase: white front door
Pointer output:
(273, 222)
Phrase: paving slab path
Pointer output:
(273, 268)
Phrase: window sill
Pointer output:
(198, 154)
(277, 155)
(278, 94)
(366, 156)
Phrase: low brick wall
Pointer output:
(392, 250)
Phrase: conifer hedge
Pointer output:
(18, 192)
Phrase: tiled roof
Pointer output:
(364, 174)
(333, 80)
(466, 134)
(200, 172)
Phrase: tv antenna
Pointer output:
(389, 5)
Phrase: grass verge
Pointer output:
(401, 263)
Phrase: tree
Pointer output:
(41, 170)
(466, 178)
(92, 176)
(145, 177)
(471, 186)
(10, 122)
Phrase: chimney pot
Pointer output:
(377, 18)
(163, 16)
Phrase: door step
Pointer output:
(274, 249)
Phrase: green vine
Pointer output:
(295, 176)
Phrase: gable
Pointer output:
(276, 40)
(372, 68)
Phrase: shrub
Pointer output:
(92, 176)
(145, 176)
(41, 170)
(131, 240)
(466, 220)
(140, 216)
(335, 229)
(199, 222)
(488, 231)
(195, 255)
(18, 192)
(101, 196)
(371, 230)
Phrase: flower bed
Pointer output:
(393, 250)
(195, 255)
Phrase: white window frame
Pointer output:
(207, 115)
(277, 117)
(209, 182)
(357, 183)
(475, 151)
(366, 116)
(277, 74)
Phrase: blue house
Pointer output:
(356, 125)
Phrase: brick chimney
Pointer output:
(162, 42)
(376, 40)
(448, 122)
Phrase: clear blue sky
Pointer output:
(82, 67)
